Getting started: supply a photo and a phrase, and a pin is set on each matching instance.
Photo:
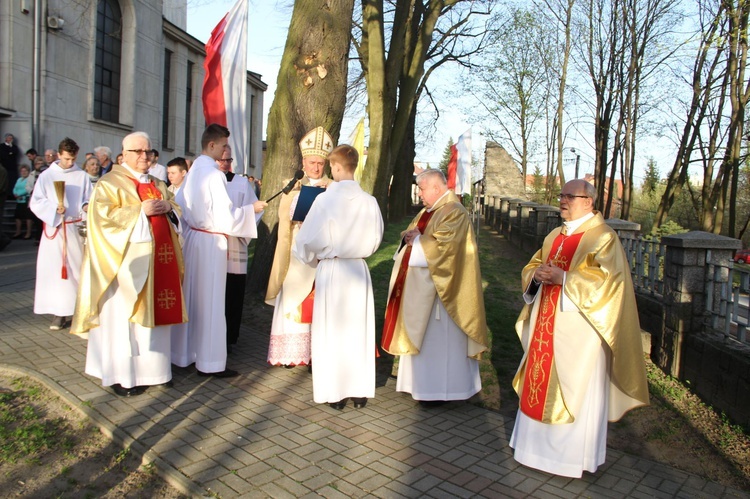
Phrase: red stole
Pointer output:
(540, 359)
(394, 301)
(167, 287)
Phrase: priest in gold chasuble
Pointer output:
(435, 318)
(130, 291)
(583, 363)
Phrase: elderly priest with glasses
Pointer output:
(130, 290)
(583, 363)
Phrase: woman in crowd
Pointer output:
(22, 203)
(93, 168)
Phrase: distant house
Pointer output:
(103, 72)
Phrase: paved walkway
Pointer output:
(261, 435)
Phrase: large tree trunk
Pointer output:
(399, 196)
(310, 92)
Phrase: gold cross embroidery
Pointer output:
(166, 253)
(166, 299)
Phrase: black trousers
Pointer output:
(234, 301)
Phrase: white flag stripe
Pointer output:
(463, 169)
(234, 76)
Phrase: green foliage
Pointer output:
(538, 187)
(668, 228)
(443, 165)
(652, 178)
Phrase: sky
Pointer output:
(268, 23)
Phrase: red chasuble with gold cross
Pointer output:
(540, 362)
(167, 288)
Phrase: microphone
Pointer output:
(297, 175)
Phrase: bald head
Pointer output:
(576, 199)
(432, 185)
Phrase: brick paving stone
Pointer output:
(426, 483)
(319, 481)
(548, 492)
(253, 469)
(374, 482)
(384, 469)
(273, 490)
(500, 490)
(261, 435)
(343, 487)
(267, 476)
(455, 490)
(306, 473)
(292, 486)
(330, 492)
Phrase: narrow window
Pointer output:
(165, 97)
(189, 107)
(108, 57)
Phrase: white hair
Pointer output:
(142, 135)
(103, 150)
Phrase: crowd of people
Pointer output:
(161, 279)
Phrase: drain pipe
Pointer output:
(40, 6)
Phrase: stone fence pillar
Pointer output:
(685, 275)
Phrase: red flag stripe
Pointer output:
(214, 109)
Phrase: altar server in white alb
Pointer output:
(435, 318)
(58, 265)
(344, 226)
(583, 361)
(209, 218)
(242, 193)
(130, 292)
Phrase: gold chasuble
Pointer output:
(114, 209)
(561, 346)
(453, 274)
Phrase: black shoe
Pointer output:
(339, 406)
(58, 323)
(127, 392)
(359, 402)
(168, 384)
(432, 403)
(289, 366)
(226, 373)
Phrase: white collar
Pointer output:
(141, 177)
(573, 225)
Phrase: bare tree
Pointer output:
(394, 69)
(514, 81)
(705, 78)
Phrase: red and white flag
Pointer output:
(225, 83)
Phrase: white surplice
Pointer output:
(121, 351)
(209, 218)
(441, 370)
(53, 294)
(241, 193)
(344, 226)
